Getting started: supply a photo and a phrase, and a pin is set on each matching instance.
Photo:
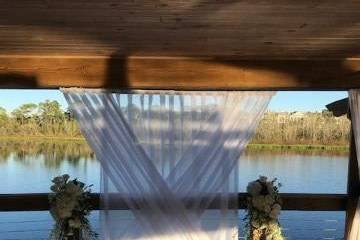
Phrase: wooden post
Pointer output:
(353, 186)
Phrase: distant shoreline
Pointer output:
(251, 146)
(42, 138)
(300, 147)
(47, 120)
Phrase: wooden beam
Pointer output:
(353, 186)
(291, 201)
(245, 29)
(37, 72)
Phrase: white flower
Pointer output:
(270, 187)
(75, 223)
(64, 213)
(60, 212)
(263, 179)
(54, 188)
(72, 188)
(269, 200)
(58, 180)
(276, 206)
(275, 211)
(67, 204)
(264, 207)
(65, 177)
(274, 214)
(273, 224)
(267, 209)
(254, 188)
(259, 202)
(255, 224)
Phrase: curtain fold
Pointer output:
(169, 156)
(354, 102)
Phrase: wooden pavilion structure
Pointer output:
(184, 45)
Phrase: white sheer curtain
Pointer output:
(354, 101)
(170, 157)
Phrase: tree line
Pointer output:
(48, 119)
(312, 128)
(44, 119)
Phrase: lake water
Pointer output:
(28, 167)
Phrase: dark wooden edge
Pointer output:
(291, 201)
(176, 73)
(353, 187)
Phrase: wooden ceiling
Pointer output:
(187, 44)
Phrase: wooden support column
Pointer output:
(353, 186)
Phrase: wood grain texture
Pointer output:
(256, 29)
(177, 73)
(291, 201)
(192, 45)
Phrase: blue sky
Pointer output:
(303, 101)
(282, 101)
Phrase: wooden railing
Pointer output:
(291, 201)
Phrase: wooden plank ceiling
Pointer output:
(187, 44)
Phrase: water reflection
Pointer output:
(53, 152)
(29, 166)
(316, 171)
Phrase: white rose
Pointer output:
(270, 187)
(269, 200)
(276, 206)
(254, 188)
(54, 188)
(274, 213)
(58, 180)
(65, 213)
(71, 188)
(267, 209)
(263, 179)
(273, 224)
(64, 200)
(259, 202)
(75, 223)
(255, 224)
(65, 177)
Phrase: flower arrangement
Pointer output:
(263, 209)
(69, 207)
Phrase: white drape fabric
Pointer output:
(354, 101)
(170, 157)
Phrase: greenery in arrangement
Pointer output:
(70, 207)
(47, 119)
(263, 209)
